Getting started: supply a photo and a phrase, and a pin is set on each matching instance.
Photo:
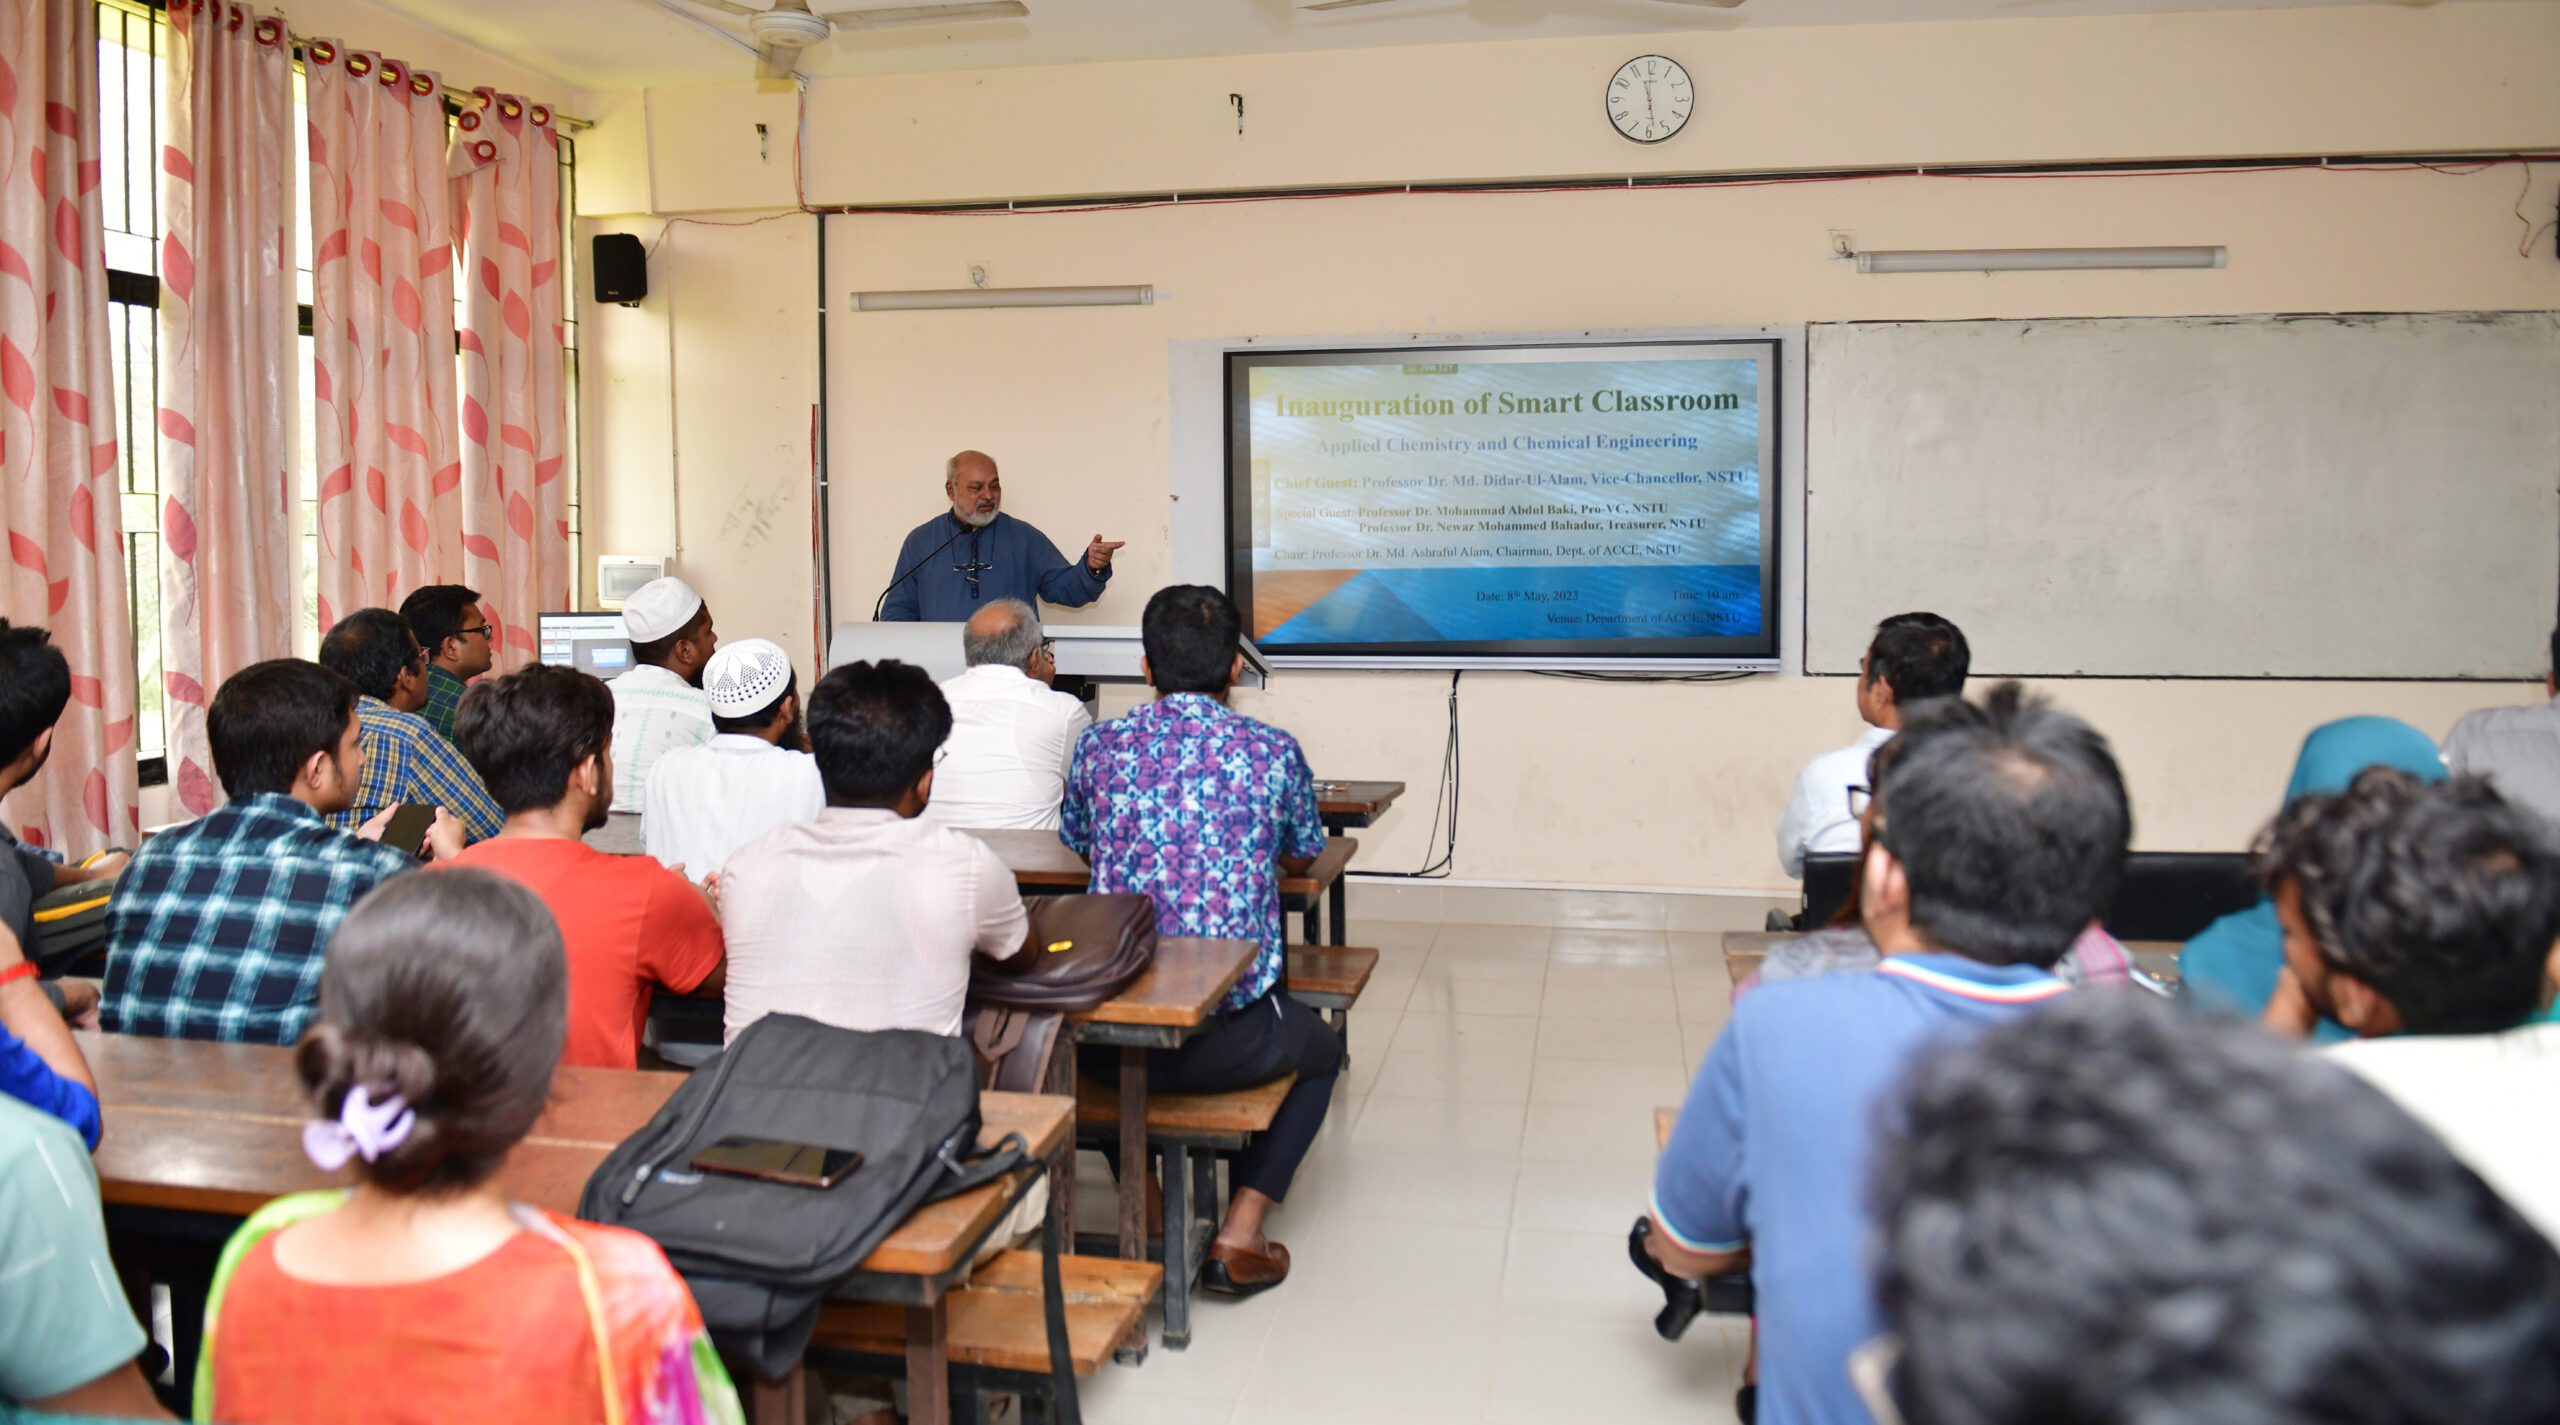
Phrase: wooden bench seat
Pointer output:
(996, 1322)
(1218, 1120)
(1330, 977)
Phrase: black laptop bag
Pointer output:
(759, 1255)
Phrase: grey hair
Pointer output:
(1012, 647)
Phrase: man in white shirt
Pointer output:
(658, 705)
(1012, 736)
(866, 918)
(2423, 918)
(1911, 657)
(753, 775)
(2516, 748)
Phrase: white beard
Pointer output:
(975, 520)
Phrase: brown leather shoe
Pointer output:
(1235, 1271)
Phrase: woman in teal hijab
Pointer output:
(2231, 966)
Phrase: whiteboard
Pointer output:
(2270, 496)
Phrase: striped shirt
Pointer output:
(444, 699)
(407, 760)
(654, 713)
(217, 928)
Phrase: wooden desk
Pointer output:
(1322, 883)
(1745, 949)
(1348, 806)
(1037, 859)
(199, 1135)
(1159, 1010)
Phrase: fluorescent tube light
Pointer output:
(1139, 296)
(2041, 259)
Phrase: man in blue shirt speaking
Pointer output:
(2000, 835)
(973, 554)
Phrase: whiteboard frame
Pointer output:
(1196, 477)
(2342, 319)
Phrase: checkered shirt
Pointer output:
(407, 760)
(444, 699)
(216, 929)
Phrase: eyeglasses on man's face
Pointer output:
(486, 630)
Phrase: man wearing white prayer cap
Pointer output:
(659, 705)
(705, 802)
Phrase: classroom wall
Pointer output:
(1673, 786)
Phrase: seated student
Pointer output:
(2516, 748)
(405, 758)
(68, 1338)
(425, 1293)
(1911, 658)
(40, 1063)
(1012, 735)
(2000, 833)
(35, 686)
(216, 930)
(1844, 947)
(448, 623)
(539, 737)
(2111, 1212)
(2422, 918)
(2230, 966)
(658, 704)
(866, 917)
(1195, 804)
(754, 775)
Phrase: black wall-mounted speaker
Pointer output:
(621, 267)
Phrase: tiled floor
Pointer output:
(1459, 1234)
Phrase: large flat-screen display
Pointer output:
(1556, 506)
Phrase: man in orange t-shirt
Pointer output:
(541, 739)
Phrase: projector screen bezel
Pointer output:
(1754, 654)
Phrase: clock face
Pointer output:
(1650, 97)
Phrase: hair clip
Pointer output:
(363, 1127)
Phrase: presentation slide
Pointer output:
(1524, 500)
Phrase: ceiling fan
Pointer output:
(788, 27)
(1355, 4)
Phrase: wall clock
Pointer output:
(1650, 97)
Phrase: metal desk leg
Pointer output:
(1133, 1153)
(1339, 894)
(929, 1363)
(1178, 1266)
(779, 1402)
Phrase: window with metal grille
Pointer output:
(133, 42)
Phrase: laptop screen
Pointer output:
(590, 643)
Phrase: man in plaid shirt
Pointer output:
(406, 759)
(217, 929)
(449, 622)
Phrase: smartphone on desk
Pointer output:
(773, 1161)
(408, 827)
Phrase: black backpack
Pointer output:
(758, 1255)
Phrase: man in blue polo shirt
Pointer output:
(2001, 834)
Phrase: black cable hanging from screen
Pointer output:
(1445, 803)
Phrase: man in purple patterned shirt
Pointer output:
(1202, 809)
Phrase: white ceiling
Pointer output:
(630, 44)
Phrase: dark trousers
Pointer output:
(1272, 1036)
